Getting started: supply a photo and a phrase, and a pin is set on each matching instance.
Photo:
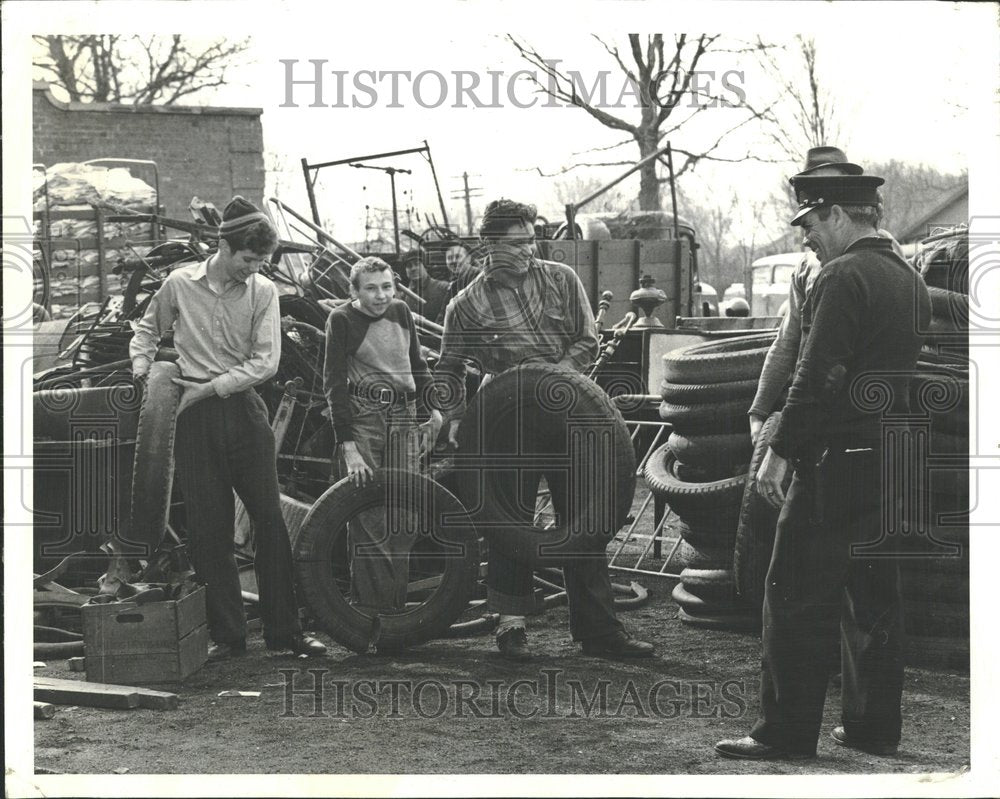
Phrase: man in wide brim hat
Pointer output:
(832, 158)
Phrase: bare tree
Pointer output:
(805, 117)
(134, 69)
(669, 91)
(572, 188)
(911, 191)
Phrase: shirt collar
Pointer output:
(873, 242)
(201, 271)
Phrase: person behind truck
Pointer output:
(522, 309)
(784, 352)
(227, 334)
(862, 316)
(373, 372)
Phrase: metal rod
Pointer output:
(437, 186)
(636, 167)
(313, 226)
(395, 210)
(375, 157)
(310, 191)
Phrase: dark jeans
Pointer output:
(819, 594)
(222, 445)
(510, 588)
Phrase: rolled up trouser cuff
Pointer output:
(499, 602)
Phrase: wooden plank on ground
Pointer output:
(77, 693)
(144, 697)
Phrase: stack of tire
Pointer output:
(936, 580)
(700, 473)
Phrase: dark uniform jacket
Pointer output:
(861, 324)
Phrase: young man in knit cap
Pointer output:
(523, 310)
(227, 331)
(373, 374)
(860, 321)
(779, 366)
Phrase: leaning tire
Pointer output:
(756, 527)
(688, 556)
(323, 536)
(562, 425)
(717, 362)
(153, 469)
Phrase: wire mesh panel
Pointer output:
(647, 545)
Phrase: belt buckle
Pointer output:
(385, 396)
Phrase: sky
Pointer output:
(912, 81)
(903, 96)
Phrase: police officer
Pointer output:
(860, 324)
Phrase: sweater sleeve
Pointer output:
(338, 398)
(780, 361)
(826, 359)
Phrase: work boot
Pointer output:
(298, 643)
(618, 644)
(225, 650)
(513, 644)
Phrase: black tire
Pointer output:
(153, 469)
(712, 585)
(688, 556)
(730, 415)
(692, 474)
(322, 537)
(950, 306)
(742, 623)
(755, 529)
(700, 606)
(559, 423)
(726, 361)
(944, 397)
(680, 394)
(711, 452)
(55, 410)
(684, 497)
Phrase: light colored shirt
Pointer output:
(232, 339)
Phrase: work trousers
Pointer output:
(386, 437)
(222, 445)
(510, 583)
(819, 592)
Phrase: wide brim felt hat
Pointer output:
(824, 157)
(819, 192)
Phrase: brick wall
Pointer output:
(213, 153)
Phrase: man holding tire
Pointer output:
(227, 331)
(522, 310)
(860, 323)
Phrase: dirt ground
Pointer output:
(661, 716)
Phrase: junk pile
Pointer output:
(70, 202)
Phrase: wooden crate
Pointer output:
(155, 642)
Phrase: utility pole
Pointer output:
(467, 194)
(391, 172)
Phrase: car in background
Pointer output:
(770, 280)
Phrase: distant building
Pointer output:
(953, 209)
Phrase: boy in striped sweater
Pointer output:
(373, 374)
